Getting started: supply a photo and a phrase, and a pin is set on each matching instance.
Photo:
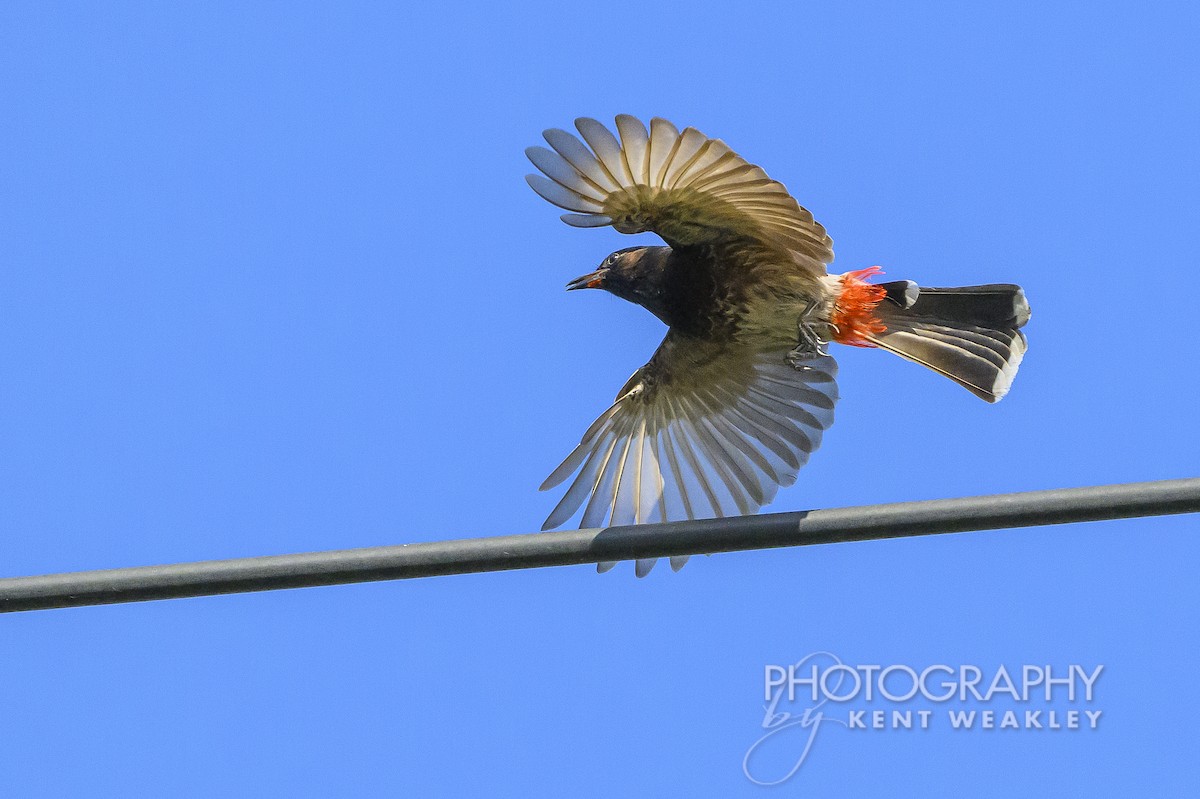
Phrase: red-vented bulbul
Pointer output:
(737, 396)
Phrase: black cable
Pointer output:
(1059, 506)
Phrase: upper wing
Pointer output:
(686, 187)
(702, 430)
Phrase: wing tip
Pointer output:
(586, 220)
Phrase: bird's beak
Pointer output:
(594, 280)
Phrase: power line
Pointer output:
(863, 523)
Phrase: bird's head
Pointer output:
(635, 274)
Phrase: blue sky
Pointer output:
(271, 281)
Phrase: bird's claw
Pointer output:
(810, 348)
(811, 345)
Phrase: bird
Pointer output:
(742, 388)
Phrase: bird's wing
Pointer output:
(686, 187)
(702, 430)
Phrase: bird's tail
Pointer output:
(970, 334)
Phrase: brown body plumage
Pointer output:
(739, 393)
(724, 292)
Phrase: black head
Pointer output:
(636, 274)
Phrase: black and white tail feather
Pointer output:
(970, 334)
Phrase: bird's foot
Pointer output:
(810, 345)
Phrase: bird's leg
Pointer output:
(810, 345)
